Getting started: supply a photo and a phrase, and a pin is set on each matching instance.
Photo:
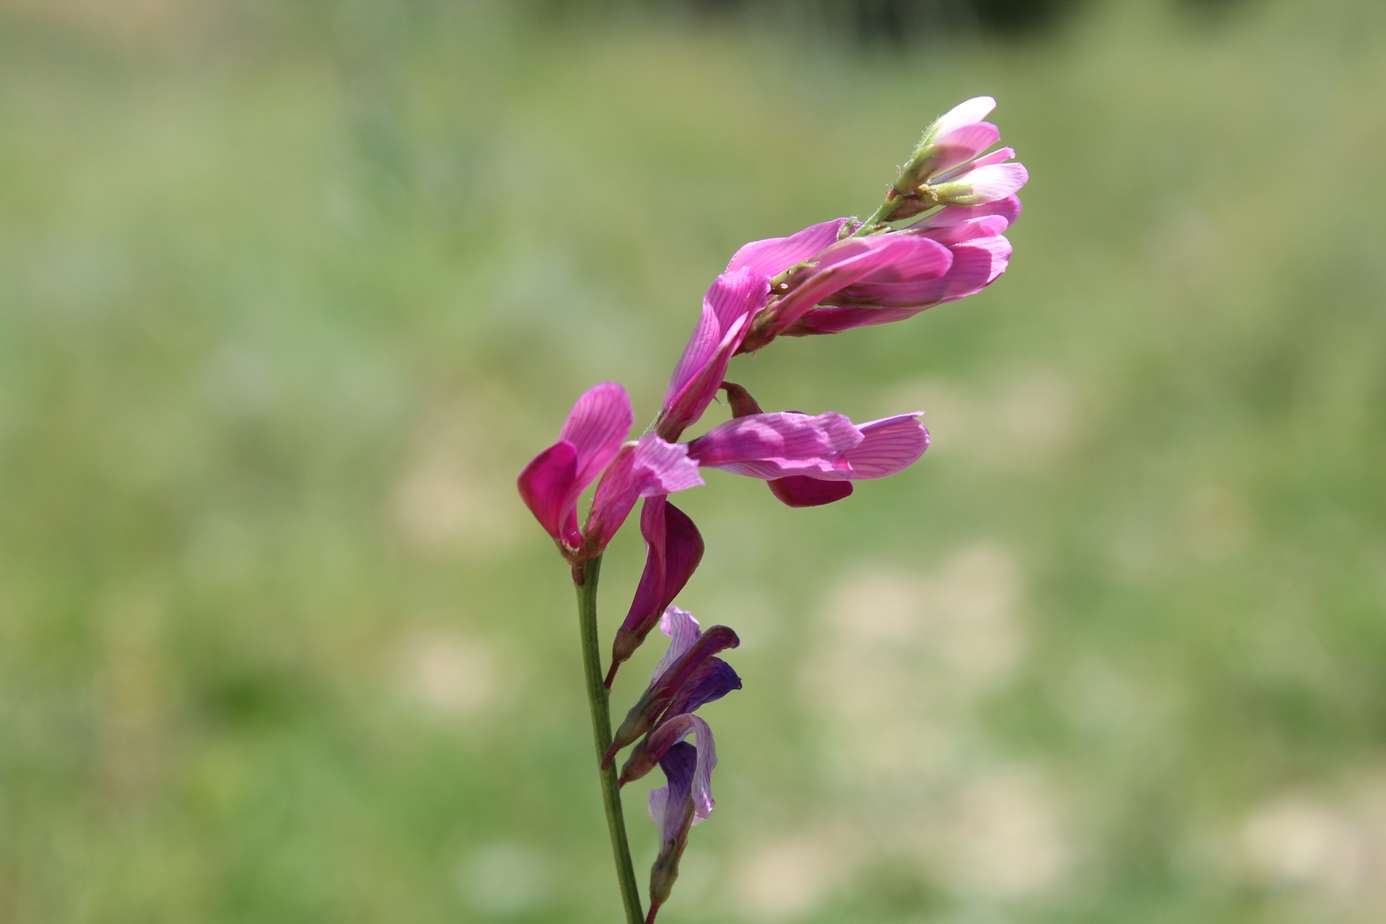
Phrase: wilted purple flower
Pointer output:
(590, 444)
(682, 677)
(709, 681)
(671, 807)
(697, 678)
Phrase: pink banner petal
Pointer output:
(774, 255)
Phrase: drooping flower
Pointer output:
(591, 445)
(671, 808)
(696, 678)
(710, 679)
(683, 676)
(674, 547)
(895, 273)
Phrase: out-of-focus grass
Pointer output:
(288, 297)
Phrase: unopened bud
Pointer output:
(742, 404)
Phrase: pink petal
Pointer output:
(835, 320)
(999, 156)
(977, 262)
(546, 487)
(965, 113)
(915, 257)
(919, 269)
(777, 445)
(976, 265)
(803, 491)
(674, 549)
(727, 309)
(1007, 208)
(915, 293)
(890, 445)
(596, 427)
(958, 147)
(648, 467)
(683, 630)
(962, 231)
(774, 255)
(843, 263)
(983, 184)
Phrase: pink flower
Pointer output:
(808, 460)
(948, 166)
(977, 255)
(591, 444)
(955, 252)
(729, 306)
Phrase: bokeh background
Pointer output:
(290, 291)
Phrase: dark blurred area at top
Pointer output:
(880, 23)
(880, 26)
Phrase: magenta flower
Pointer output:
(978, 255)
(808, 460)
(953, 253)
(729, 306)
(674, 548)
(591, 445)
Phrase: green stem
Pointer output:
(585, 581)
(877, 217)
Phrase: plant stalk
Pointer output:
(585, 582)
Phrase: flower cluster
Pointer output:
(825, 279)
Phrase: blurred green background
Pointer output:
(289, 292)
